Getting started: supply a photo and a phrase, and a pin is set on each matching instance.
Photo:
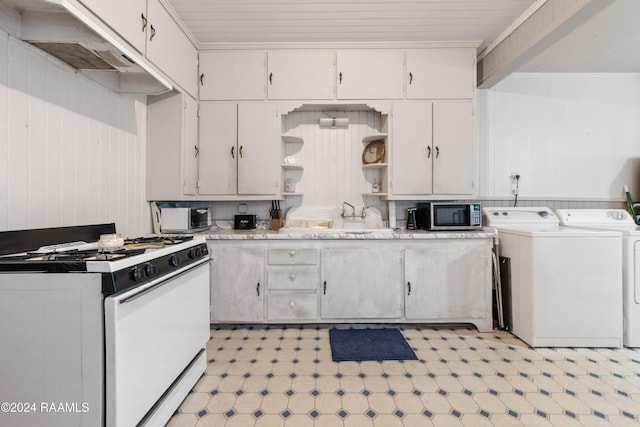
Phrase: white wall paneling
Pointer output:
(569, 136)
(72, 151)
(332, 158)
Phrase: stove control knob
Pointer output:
(151, 270)
(195, 253)
(137, 274)
(174, 260)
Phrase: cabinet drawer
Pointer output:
(292, 306)
(293, 278)
(293, 256)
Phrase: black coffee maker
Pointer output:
(411, 218)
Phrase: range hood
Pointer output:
(64, 31)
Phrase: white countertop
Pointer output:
(262, 234)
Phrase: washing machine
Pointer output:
(565, 281)
(618, 220)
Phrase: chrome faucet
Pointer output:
(342, 210)
(343, 213)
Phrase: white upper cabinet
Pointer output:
(150, 29)
(170, 49)
(127, 17)
(432, 149)
(370, 74)
(239, 150)
(218, 148)
(301, 74)
(412, 148)
(441, 73)
(453, 148)
(172, 147)
(235, 75)
(259, 149)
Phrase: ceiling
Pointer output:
(607, 40)
(477, 22)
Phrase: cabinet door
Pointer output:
(301, 75)
(232, 75)
(190, 146)
(411, 148)
(237, 284)
(361, 283)
(453, 148)
(445, 73)
(370, 74)
(126, 17)
(258, 149)
(170, 49)
(218, 155)
(448, 281)
(171, 146)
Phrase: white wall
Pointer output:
(71, 151)
(570, 136)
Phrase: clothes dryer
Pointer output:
(617, 220)
(565, 281)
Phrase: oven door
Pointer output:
(152, 335)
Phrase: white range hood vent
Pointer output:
(102, 57)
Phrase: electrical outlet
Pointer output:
(242, 208)
(515, 181)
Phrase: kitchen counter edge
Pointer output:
(338, 235)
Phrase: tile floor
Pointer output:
(283, 376)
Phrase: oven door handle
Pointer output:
(140, 291)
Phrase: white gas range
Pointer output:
(96, 337)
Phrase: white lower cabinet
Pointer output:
(361, 283)
(292, 278)
(237, 284)
(449, 282)
(314, 281)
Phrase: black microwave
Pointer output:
(445, 216)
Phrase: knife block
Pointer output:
(276, 224)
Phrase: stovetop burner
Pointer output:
(158, 240)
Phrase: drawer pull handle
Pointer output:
(409, 288)
(258, 289)
(292, 276)
(292, 253)
(324, 288)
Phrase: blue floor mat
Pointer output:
(369, 344)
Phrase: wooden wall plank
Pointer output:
(71, 151)
(570, 136)
(4, 129)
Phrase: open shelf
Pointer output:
(292, 167)
(375, 166)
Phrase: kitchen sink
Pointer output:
(329, 221)
(323, 231)
(336, 231)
